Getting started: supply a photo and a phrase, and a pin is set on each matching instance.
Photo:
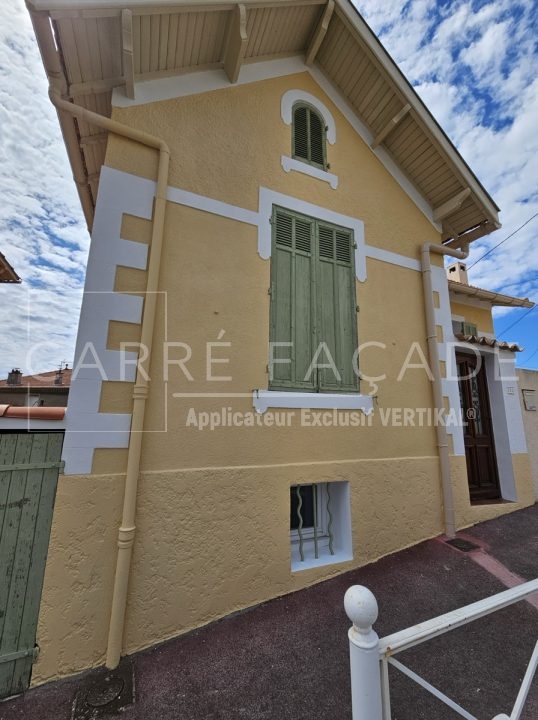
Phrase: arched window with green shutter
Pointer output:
(309, 136)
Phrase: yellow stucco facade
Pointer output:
(213, 516)
(479, 316)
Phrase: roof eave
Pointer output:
(499, 299)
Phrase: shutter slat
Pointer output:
(303, 233)
(326, 242)
(343, 247)
(284, 230)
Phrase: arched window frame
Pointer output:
(311, 110)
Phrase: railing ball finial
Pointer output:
(361, 608)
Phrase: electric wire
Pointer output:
(503, 241)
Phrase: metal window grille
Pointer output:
(311, 519)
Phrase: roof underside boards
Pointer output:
(94, 41)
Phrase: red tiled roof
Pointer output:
(32, 413)
(490, 342)
(42, 380)
(7, 273)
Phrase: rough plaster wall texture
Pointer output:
(244, 139)
(216, 540)
(528, 379)
(467, 514)
(214, 298)
(77, 591)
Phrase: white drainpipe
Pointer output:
(433, 350)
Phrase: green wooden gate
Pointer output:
(29, 467)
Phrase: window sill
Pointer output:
(311, 562)
(262, 400)
(289, 163)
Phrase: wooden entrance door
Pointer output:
(29, 467)
(478, 432)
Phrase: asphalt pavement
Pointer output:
(287, 659)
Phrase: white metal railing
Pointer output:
(370, 656)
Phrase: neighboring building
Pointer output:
(7, 273)
(286, 178)
(48, 389)
(528, 384)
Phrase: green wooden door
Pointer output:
(29, 467)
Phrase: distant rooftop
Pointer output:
(51, 379)
(7, 273)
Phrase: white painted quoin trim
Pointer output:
(294, 96)
(119, 193)
(506, 417)
(289, 164)
(207, 81)
(87, 428)
(262, 400)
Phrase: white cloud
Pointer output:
(42, 230)
(475, 71)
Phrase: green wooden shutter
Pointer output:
(336, 303)
(317, 139)
(309, 136)
(292, 300)
(300, 133)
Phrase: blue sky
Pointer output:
(473, 63)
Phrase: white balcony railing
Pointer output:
(370, 656)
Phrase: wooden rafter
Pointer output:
(237, 43)
(451, 206)
(127, 52)
(389, 127)
(93, 139)
(320, 33)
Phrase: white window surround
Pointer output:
(341, 531)
(262, 400)
(294, 96)
(268, 198)
(289, 163)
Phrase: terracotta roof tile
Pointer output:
(32, 413)
(490, 342)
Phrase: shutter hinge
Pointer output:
(270, 290)
(357, 308)
(354, 245)
(267, 369)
